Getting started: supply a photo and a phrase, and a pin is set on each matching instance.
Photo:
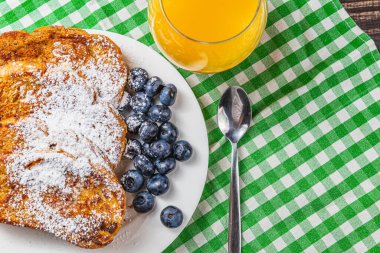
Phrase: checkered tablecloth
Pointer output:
(310, 163)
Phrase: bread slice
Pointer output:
(95, 132)
(58, 55)
(71, 198)
(69, 107)
(64, 141)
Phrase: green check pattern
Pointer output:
(310, 165)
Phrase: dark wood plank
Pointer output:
(366, 13)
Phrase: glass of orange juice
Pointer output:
(207, 36)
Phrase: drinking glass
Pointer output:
(194, 35)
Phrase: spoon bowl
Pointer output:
(234, 113)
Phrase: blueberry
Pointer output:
(182, 150)
(132, 180)
(134, 122)
(158, 184)
(143, 164)
(125, 102)
(140, 102)
(171, 217)
(143, 202)
(148, 131)
(168, 132)
(132, 149)
(160, 149)
(168, 95)
(159, 113)
(138, 79)
(164, 166)
(153, 86)
(147, 151)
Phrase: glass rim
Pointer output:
(211, 42)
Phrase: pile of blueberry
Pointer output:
(156, 152)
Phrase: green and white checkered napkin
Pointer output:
(310, 166)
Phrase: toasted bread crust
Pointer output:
(24, 55)
(55, 174)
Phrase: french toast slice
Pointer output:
(60, 136)
(65, 55)
(61, 141)
(78, 201)
(74, 110)
(78, 132)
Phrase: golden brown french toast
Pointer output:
(60, 136)
(70, 55)
(71, 198)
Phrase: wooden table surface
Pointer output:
(366, 13)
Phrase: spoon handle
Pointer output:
(234, 230)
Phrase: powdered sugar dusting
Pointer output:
(74, 226)
(102, 71)
(40, 176)
(73, 137)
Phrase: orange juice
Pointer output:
(207, 36)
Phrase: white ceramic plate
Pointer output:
(142, 232)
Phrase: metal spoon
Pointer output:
(234, 119)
